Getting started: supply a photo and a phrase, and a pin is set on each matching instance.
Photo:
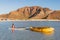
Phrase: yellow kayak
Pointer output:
(42, 29)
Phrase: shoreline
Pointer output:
(30, 20)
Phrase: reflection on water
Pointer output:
(48, 37)
(48, 33)
(6, 34)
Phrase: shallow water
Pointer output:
(6, 34)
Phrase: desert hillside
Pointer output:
(34, 12)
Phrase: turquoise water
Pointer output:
(6, 34)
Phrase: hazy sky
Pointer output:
(9, 5)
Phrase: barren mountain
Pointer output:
(34, 12)
(54, 15)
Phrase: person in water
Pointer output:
(13, 27)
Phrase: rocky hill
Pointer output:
(54, 15)
(34, 12)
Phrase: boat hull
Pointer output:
(42, 29)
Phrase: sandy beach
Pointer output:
(30, 20)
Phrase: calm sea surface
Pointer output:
(6, 34)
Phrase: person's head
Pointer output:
(12, 24)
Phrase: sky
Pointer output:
(7, 6)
